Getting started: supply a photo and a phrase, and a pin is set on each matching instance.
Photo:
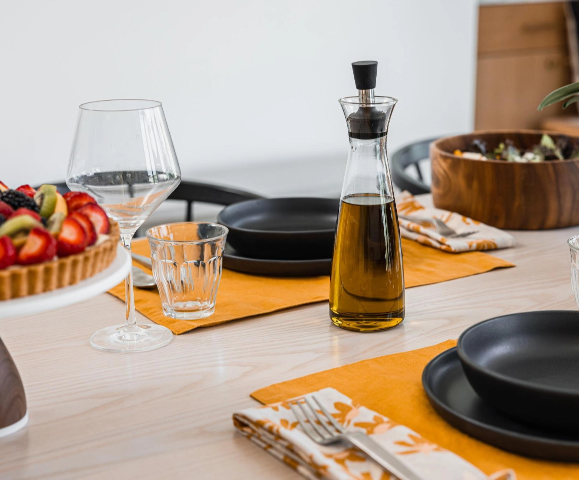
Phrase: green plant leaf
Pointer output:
(571, 100)
(560, 94)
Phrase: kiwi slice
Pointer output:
(46, 199)
(21, 223)
(55, 222)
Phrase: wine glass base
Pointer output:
(139, 338)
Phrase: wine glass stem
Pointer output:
(131, 318)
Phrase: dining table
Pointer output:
(167, 413)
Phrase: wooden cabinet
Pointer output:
(522, 56)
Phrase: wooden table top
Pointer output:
(167, 413)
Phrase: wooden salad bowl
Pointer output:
(519, 196)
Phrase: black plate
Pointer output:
(454, 400)
(275, 268)
(527, 366)
(282, 228)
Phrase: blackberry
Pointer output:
(2, 219)
(18, 200)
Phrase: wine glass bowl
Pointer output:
(124, 157)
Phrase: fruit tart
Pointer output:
(50, 241)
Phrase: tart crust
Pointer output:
(21, 281)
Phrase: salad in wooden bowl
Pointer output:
(512, 179)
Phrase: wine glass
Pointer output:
(123, 156)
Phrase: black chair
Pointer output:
(192, 192)
(409, 157)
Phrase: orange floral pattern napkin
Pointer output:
(275, 429)
(485, 238)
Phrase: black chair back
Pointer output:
(208, 193)
(408, 157)
(192, 192)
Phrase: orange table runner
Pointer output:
(392, 386)
(242, 296)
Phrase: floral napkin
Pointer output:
(275, 429)
(485, 238)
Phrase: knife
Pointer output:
(142, 259)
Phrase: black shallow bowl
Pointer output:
(282, 228)
(526, 365)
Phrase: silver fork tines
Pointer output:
(329, 416)
(316, 425)
(322, 428)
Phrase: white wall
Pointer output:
(242, 83)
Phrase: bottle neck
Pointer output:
(366, 96)
(367, 122)
(367, 170)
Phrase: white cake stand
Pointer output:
(62, 297)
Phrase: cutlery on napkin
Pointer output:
(484, 237)
(276, 429)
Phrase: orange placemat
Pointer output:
(392, 385)
(242, 296)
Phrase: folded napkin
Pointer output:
(485, 238)
(275, 429)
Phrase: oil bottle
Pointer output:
(367, 279)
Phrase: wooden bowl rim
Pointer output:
(434, 146)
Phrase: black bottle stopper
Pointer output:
(365, 73)
(367, 122)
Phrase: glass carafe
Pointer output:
(367, 280)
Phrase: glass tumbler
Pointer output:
(574, 246)
(187, 264)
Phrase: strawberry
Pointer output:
(76, 200)
(7, 252)
(71, 238)
(3, 187)
(40, 247)
(6, 210)
(89, 229)
(26, 190)
(97, 216)
(25, 211)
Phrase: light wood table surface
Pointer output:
(167, 413)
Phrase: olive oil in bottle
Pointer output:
(367, 288)
(367, 280)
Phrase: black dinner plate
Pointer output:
(275, 268)
(282, 228)
(527, 366)
(451, 395)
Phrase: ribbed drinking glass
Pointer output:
(187, 259)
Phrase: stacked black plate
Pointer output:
(513, 382)
(283, 237)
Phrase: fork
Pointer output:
(322, 428)
(440, 226)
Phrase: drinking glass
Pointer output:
(574, 246)
(123, 156)
(187, 259)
